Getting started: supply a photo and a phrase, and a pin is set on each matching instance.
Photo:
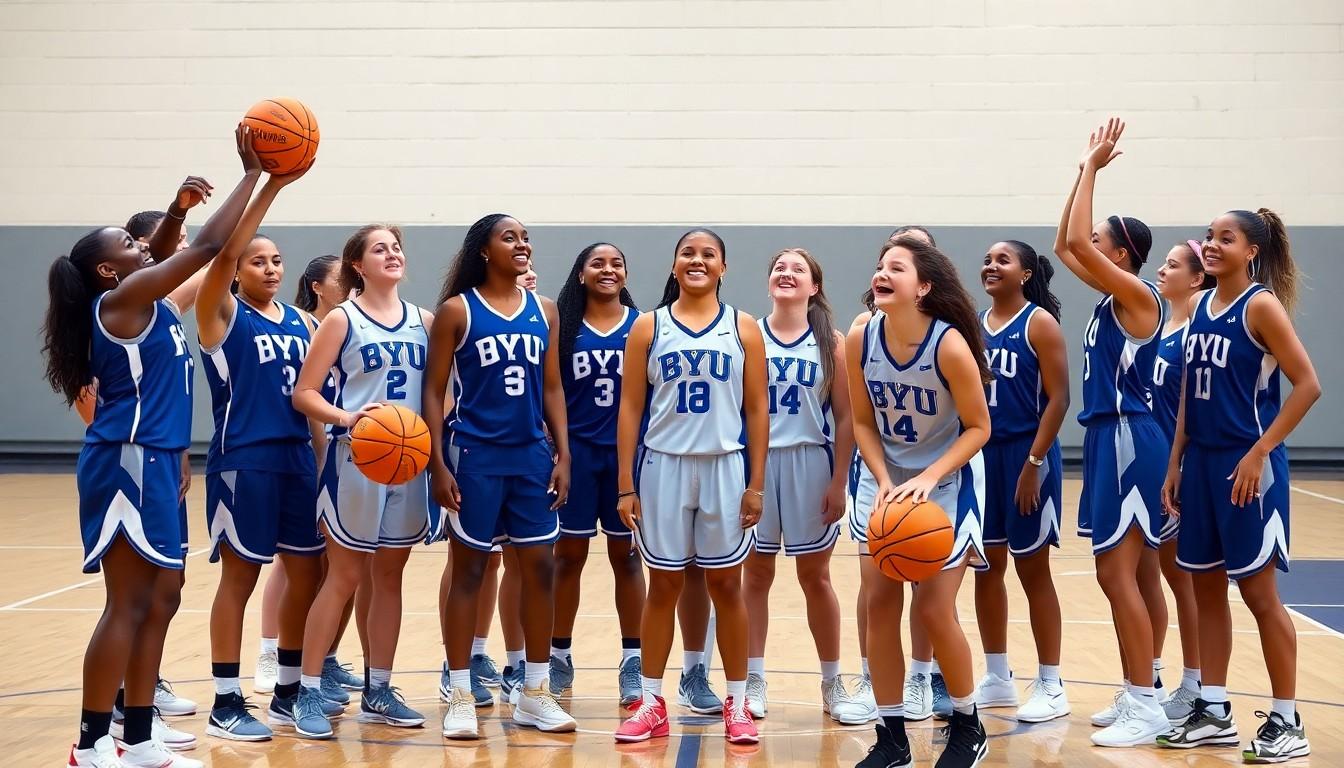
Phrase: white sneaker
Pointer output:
(994, 691)
(1136, 724)
(178, 741)
(153, 754)
(103, 755)
(845, 708)
(918, 697)
(756, 695)
(1179, 705)
(1047, 701)
(460, 722)
(1107, 716)
(169, 703)
(268, 672)
(538, 708)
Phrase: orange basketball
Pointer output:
(910, 542)
(390, 445)
(285, 134)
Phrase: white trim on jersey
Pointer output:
(625, 315)
(984, 319)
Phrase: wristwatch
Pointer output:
(1034, 461)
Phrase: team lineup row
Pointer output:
(728, 440)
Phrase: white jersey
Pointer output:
(695, 400)
(380, 363)
(798, 415)
(913, 407)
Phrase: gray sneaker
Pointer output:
(1203, 728)
(694, 692)
(942, 701)
(511, 681)
(1277, 740)
(1179, 705)
(343, 674)
(309, 721)
(386, 705)
(632, 688)
(484, 672)
(562, 674)
(331, 689)
(231, 720)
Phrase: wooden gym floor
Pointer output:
(48, 608)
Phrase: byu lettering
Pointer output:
(276, 346)
(392, 353)
(1208, 348)
(690, 362)
(509, 347)
(890, 394)
(598, 362)
(794, 369)
(1003, 363)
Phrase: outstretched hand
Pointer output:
(194, 191)
(1101, 145)
(251, 161)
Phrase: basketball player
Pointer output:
(1228, 474)
(1028, 399)
(496, 475)
(111, 318)
(596, 313)
(1179, 278)
(261, 473)
(916, 371)
(804, 486)
(695, 502)
(377, 343)
(1120, 509)
(318, 293)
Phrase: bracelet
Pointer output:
(1033, 461)
(169, 213)
(623, 494)
(758, 493)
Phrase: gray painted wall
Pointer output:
(34, 420)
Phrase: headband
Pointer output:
(1125, 231)
(1198, 249)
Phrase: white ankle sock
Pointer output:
(629, 653)
(737, 691)
(478, 646)
(998, 665)
(1214, 694)
(561, 653)
(1287, 709)
(1048, 672)
(460, 679)
(829, 670)
(963, 704)
(918, 667)
(535, 674)
(653, 686)
(313, 682)
(514, 658)
(225, 685)
(756, 665)
(863, 664)
(269, 644)
(1190, 680)
(379, 678)
(689, 659)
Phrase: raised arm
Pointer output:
(123, 308)
(444, 334)
(215, 303)
(553, 403)
(1137, 306)
(1062, 240)
(163, 243)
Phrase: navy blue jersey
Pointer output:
(1117, 367)
(144, 384)
(1167, 371)
(1232, 381)
(592, 380)
(1016, 397)
(251, 374)
(498, 374)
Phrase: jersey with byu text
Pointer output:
(912, 405)
(1016, 398)
(380, 363)
(144, 383)
(1117, 367)
(695, 378)
(592, 380)
(251, 374)
(498, 374)
(1231, 380)
(793, 372)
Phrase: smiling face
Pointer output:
(699, 263)
(1002, 273)
(603, 273)
(896, 282)
(791, 278)
(260, 270)
(508, 248)
(382, 260)
(1177, 278)
(1108, 243)
(121, 254)
(1227, 249)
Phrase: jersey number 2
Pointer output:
(396, 380)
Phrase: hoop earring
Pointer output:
(1250, 269)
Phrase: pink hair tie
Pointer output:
(1198, 250)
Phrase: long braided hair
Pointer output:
(572, 302)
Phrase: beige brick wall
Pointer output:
(634, 111)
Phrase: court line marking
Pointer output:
(40, 546)
(1325, 627)
(72, 587)
(1317, 495)
(1313, 605)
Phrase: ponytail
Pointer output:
(67, 330)
(1037, 288)
(316, 271)
(1273, 264)
(819, 316)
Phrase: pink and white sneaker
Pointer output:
(648, 722)
(738, 727)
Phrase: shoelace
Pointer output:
(835, 688)
(698, 684)
(1201, 709)
(647, 713)
(1273, 727)
(755, 687)
(165, 686)
(462, 705)
(864, 687)
(959, 737)
(487, 667)
(628, 677)
(268, 664)
(546, 700)
(739, 715)
(914, 690)
(308, 706)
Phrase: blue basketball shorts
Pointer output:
(1005, 525)
(131, 491)
(500, 509)
(258, 513)
(1216, 534)
(1124, 465)
(961, 494)
(592, 492)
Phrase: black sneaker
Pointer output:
(887, 752)
(966, 742)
